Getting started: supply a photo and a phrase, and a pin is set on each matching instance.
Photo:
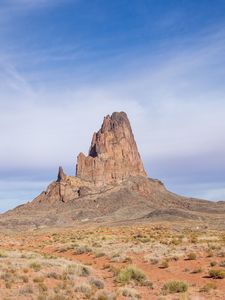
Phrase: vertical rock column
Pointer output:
(113, 155)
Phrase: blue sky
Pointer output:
(65, 64)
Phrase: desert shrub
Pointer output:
(48, 256)
(115, 255)
(25, 270)
(97, 283)
(154, 261)
(175, 241)
(8, 284)
(24, 278)
(191, 256)
(193, 239)
(26, 290)
(208, 287)
(217, 274)
(145, 240)
(174, 286)
(213, 263)
(38, 279)
(77, 269)
(2, 254)
(222, 264)
(129, 292)
(106, 266)
(129, 273)
(54, 275)
(62, 249)
(221, 254)
(127, 260)
(7, 276)
(175, 258)
(103, 295)
(210, 253)
(85, 289)
(35, 266)
(99, 254)
(42, 287)
(164, 264)
(82, 250)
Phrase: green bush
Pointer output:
(174, 286)
(35, 266)
(217, 274)
(126, 274)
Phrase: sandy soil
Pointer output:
(128, 262)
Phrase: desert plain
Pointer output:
(162, 260)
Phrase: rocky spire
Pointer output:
(61, 174)
(113, 155)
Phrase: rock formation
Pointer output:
(113, 158)
(113, 155)
(61, 175)
(111, 186)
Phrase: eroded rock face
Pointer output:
(113, 155)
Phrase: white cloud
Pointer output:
(172, 109)
(176, 106)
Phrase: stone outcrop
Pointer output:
(111, 186)
(61, 175)
(113, 155)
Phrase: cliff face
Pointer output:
(113, 155)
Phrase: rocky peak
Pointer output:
(61, 175)
(113, 155)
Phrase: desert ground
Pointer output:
(136, 261)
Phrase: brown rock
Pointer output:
(113, 155)
(61, 175)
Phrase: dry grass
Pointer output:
(135, 262)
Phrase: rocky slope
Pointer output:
(110, 185)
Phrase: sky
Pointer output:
(66, 64)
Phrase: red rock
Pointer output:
(113, 155)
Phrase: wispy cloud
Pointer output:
(175, 100)
(28, 4)
(180, 94)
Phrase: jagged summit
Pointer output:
(113, 155)
(110, 185)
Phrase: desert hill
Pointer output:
(110, 186)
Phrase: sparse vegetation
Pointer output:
(208, 287)
(217, 274)
(174, 286)
(129, 273)
(121, 260)
(35, 266)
